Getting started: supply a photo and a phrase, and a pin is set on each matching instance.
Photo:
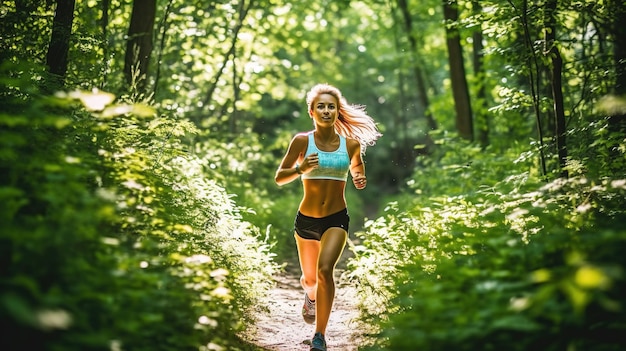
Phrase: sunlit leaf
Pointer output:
(588, 277)
(95, 100)
(142, 110)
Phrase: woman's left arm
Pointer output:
(357, 167)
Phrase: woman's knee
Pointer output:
(325, 272)
(308, 283)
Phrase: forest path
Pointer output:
(283, 329)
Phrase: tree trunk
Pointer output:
(482, 118)
(556, 85)
(56, 59)
(104, 25)
(163, 29)
(400, 118)
(533, 66)
(139, 44)
(460, 92)
(559, 110)
(618, 9)
(618, 32)
(235, 115)
(419, 77)
(243, 10)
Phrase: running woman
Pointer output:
(323, 158)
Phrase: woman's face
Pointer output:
(325, 110)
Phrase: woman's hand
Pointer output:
(359, 180)
(309, 163)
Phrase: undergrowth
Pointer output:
(482, 253)
(113, 237)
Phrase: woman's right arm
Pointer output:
(287, 171)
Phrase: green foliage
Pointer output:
(157, 207)
(472, 262)
(112, 236)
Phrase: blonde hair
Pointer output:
(353, 122)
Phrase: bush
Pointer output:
(515, 265)
(112, 236)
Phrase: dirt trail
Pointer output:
(283, 329)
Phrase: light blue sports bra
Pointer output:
(332, 165)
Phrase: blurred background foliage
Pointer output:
(139, 140)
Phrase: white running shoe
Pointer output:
(308, 310)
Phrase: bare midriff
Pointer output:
(322, 197)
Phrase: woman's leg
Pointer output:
(308, 252)
(331, 246)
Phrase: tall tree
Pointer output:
(556, 61)
(400, 118)
(479, 107)
(617, 9)
(417, 71)
(56, 59)
(230, 56)
(139, 44)
(104, 25)
(460, 92)
(533, 76)
(164, 26)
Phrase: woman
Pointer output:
(323, 157)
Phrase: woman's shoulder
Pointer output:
(302, 136)
(353, 145)
(300, 139)
(352, 142)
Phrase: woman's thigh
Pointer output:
(331, 246)
(308, 253)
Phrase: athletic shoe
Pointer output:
(318, 343)
(308, 310)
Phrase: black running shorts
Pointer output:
(312, 228)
